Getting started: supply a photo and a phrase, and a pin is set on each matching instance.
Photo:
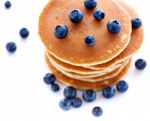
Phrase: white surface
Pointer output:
(24, 96)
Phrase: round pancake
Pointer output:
(80, 69)
(86, 85)
(137, 37)
(92, 78)
(72, 49)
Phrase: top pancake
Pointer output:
(72, 49)
(137, 36)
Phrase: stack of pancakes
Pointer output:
(95, 67)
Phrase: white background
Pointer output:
(24, 96)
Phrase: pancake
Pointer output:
(72, 49)
(80, 69)
(92, 78)
(137, 37)
(86, 85)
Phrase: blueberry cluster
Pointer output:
(76, 16)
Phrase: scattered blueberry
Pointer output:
(90, 4)
(65, 104)
(49, 78)
(108, 92)
(99, 15)
(136, 23)
(11, 47)
(89, 95)
(76, 102)
(61, 31)
(122, 86)
(140, 64)
(76, 16)
(24, 33)
(89, 40)
(97, 111)
(70, 92)
(55, 87)
(114, 26)
(7, 4)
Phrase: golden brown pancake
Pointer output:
(72, 49)
(137, 36)
(86, 85)
(80, 69)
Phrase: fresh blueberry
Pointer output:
(65, 104)
(76, 16)
(61, 31)
(24, 33)
(90, 4)
(11, 47)
(136, 23)
(89, 95)
(122, 86)
(99, 15)
(97, 111)
(55, 87)
(140, 64)
(108, 92)
(114, 26)
(76, 102)
(89, 40)
(70, 92)
(49, 78)
(7, 4)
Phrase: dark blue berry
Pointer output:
(90, 4)
(114, 26)
(136, 23)
(11, 47)
(76, 102)
(65, 104)
(55, 87)
(99, 15)
(24, 33)
(97, 111)
(61, 31)
(89, 40)
(7, 4)
(70, 92)
(108, 92)
(140, 64)
(49, 78)
(122, 86)
(89, 95)
(76, 16)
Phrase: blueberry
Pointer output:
(55, 87)
(140, 64)
(61, 31)
(90, 4)
(70, 92)
(65, 104)
(122, 86)
(89, 95)
(89, 40)
(136, 23)
(108, 92)
(76, 102)
(114, 26)
(7, 4)
(97, 111)
(99, 15)
(49, 78)
(11, 47)
(76, 16)
(24, 33)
